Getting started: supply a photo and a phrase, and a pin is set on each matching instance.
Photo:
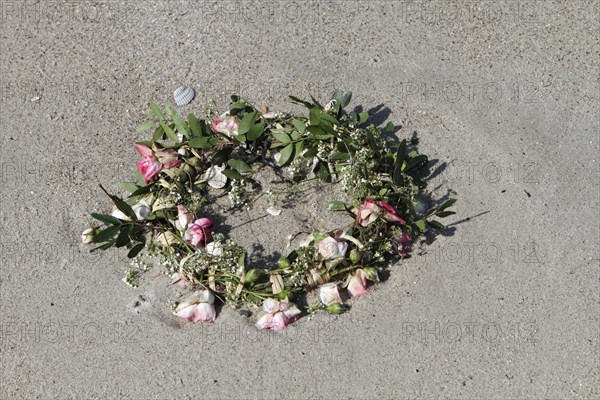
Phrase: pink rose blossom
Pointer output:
(198, 307)
(329, 294)
(279, 315)
(168, 158)
(373, 209)
(149, 167)
(153, 162)
(331, 248)
(184, 217)
(227, 124)
(357, 286)
(199, 232)
(401, 244)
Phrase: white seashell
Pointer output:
(183, 95)
(215, 178)
(274, 211)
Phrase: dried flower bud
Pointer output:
(87, 236)
(253, 275)
(335, 308)
(371, 274)
(284, 263)
(355, 256)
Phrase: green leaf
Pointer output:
(105, 246)
(299, 147)
(236, 107)
(158, 134)
(389, 128)
(242, 260)
(221, 156)
(447, 203)
(339, 156)
(300, 101)
(123, 238)
(247, 123)
(202, 142)
(397, 175)
(400, 153)
(107, 219)
(129, 186)
(299, 125)
(324, 173)
(123, 207)
(316, 102)
(282, 137)
(156, 110)
(180, 125)
(141, 190)
(145, 126)
(136, 250)
(444, 214)
(256, 130)
(345, 100)
(169, 132)
(139, 178)
(275, 145)
(286, 154)
(239, 166)
(343, 147)
(322, 116)
(170, 110)
(337, 206)
(318, 133)
(435, 225)
(107, 234)
(371, 141)
(416, 163)
(194, 125)
(420, 224)
(232, 174)
(311, 152)
(363, 117)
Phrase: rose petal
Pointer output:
(204, 312)
(187, 311)
(265, 321)
(206, 296)
(215, 178)
(271, 305)
(329, 294)
(214, 249)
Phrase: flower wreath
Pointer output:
(188, 158)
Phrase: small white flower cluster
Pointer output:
(272, 196)
(297, 167)
(237, 194)
(305, 258)
(323, 151)
(131, 278)
(138, 263)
